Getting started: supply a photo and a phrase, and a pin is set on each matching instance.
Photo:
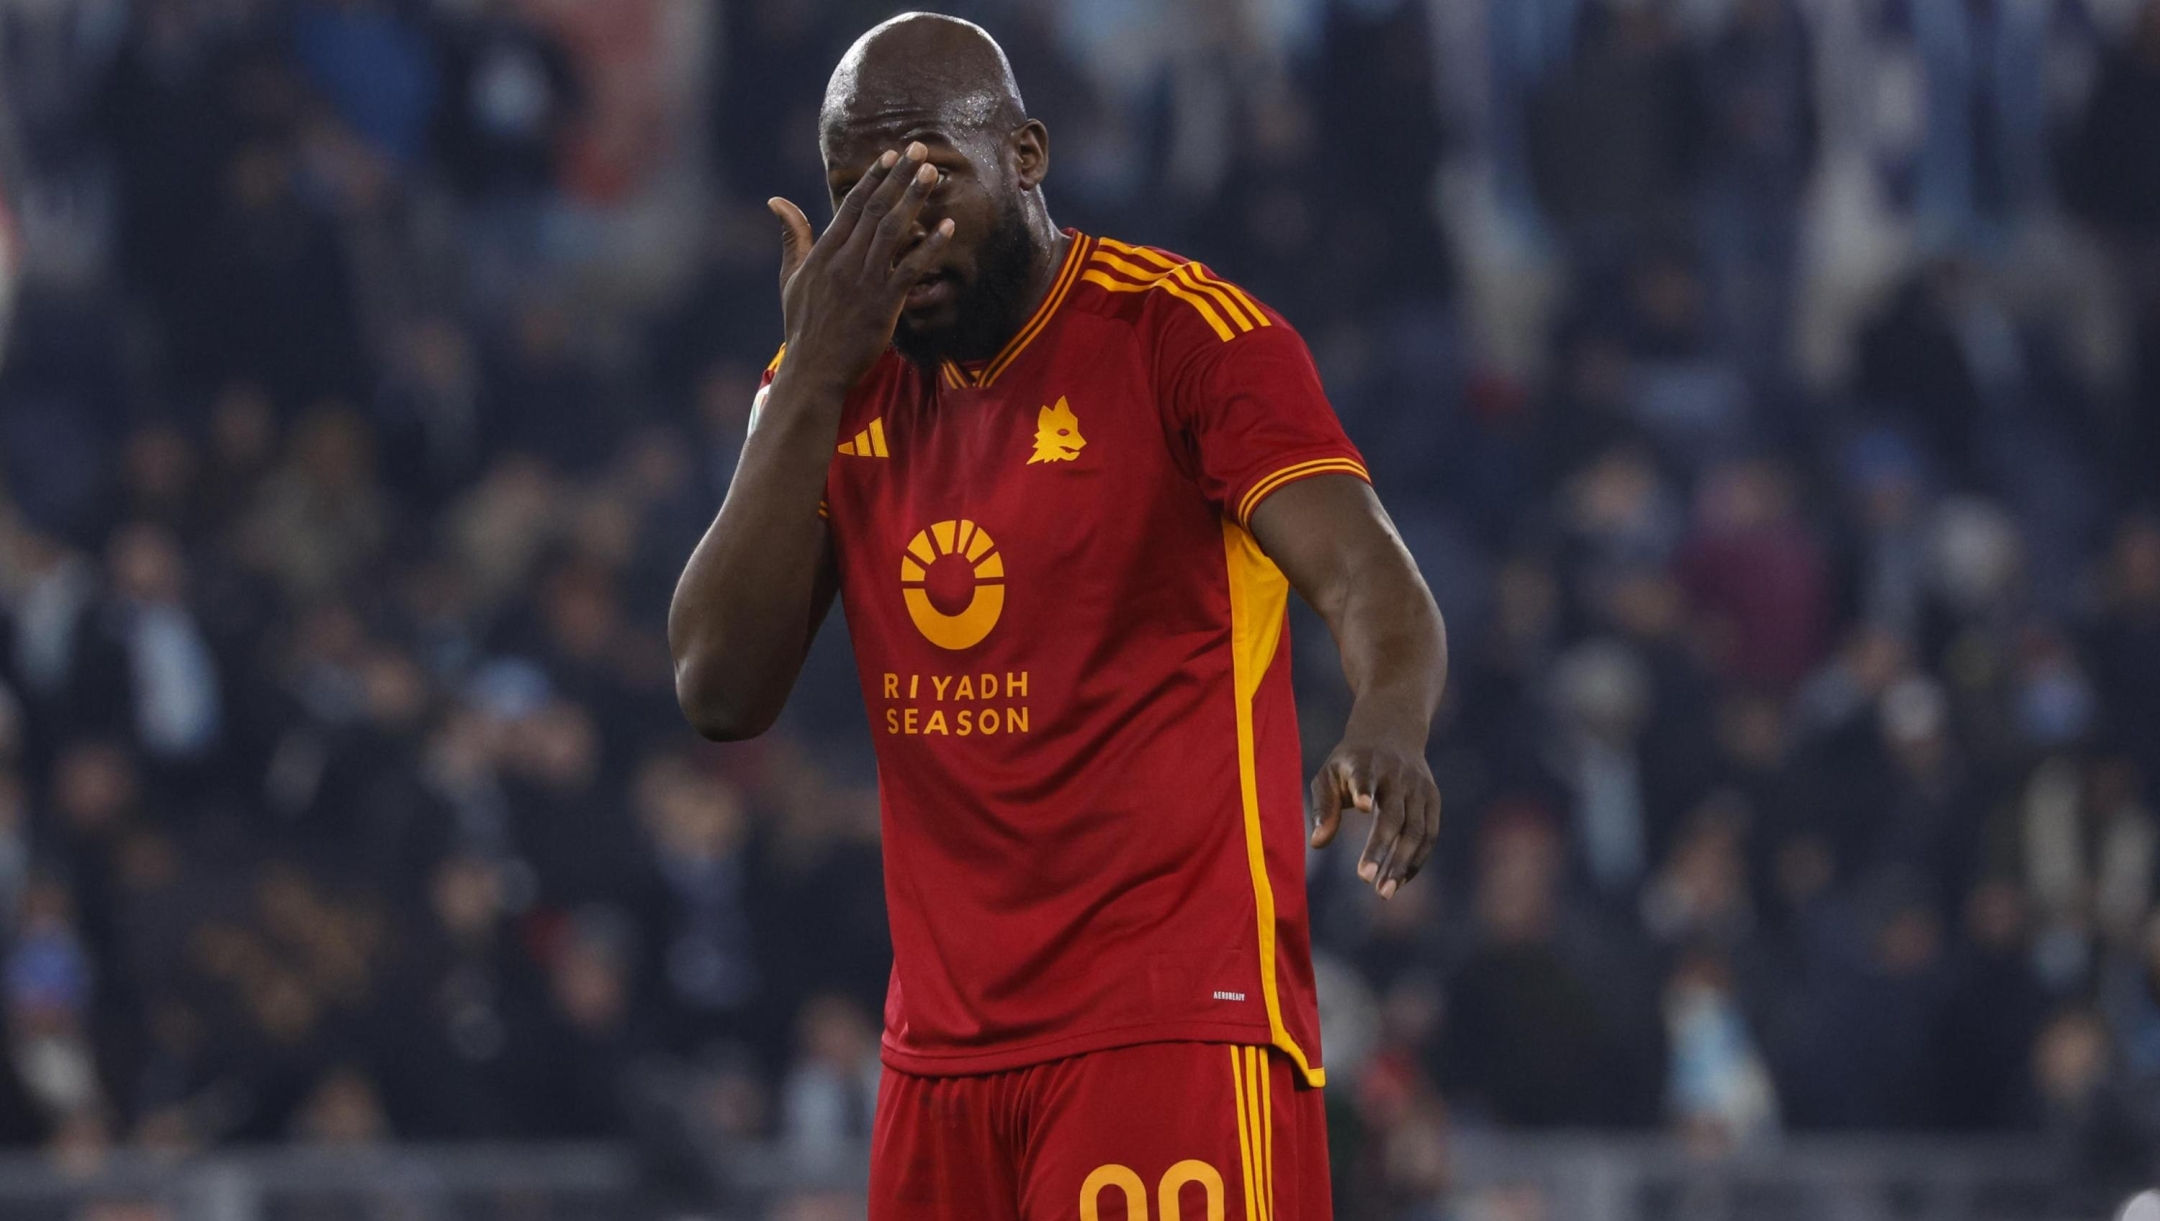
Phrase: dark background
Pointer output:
(1769, 390)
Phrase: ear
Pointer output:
(1030, 148)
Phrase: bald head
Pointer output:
(922, 67)
(939, 89)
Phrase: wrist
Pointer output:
(1389, 723)
(810, 384)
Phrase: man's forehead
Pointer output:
(859, 100)
(854, 140)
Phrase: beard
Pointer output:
(988, 311)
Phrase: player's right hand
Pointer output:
(1392, 783)
(842, 293)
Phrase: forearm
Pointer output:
(1332, 539)
(757, 585)
(1394, 650)
(1330, 536)
(761, 579)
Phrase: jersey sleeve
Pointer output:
(1255, 416)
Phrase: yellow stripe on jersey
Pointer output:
(1199, 303)
(1190, 276)
(1196, 274)
(1189, 282)
(1243, 299)
(1258, 594)
(1186, 275)
(1197, 278)
(1290, 474)
(774, 365)
(1139, 275)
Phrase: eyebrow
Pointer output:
(929, 131)
(932, 134)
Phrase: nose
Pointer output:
(917, 233)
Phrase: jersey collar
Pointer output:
(978, 375)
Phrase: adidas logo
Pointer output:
(869, 443)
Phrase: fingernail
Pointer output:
(888, 159)
(1364, 802)
(1387, 888)
(917, 151)
(1368, 871)
(926, 175)
(945, 226)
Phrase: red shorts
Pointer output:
(1155, 1132)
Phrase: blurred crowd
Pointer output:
(1769, 389)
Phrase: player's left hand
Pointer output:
(1394, 785)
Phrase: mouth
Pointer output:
(929, 293)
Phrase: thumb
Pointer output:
(795, 238)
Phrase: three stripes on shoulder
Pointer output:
(1122, 268)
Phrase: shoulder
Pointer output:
(1175, 302)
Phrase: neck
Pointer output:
(1050, 247)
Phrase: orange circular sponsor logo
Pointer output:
(968, 546)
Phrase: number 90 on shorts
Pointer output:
(1170, 1192)
(1151, 1132)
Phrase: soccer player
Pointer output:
(1063, 485)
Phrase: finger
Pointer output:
(1407, 840)
(1420, 819)
(1325, 807)
(924, 256)
(1359, 785)
(892, 233)
(1352, 775)
(795, 238)
(1386, 830)
(858, 197)
(880, 202)
(1432, 835)
(1330, 796)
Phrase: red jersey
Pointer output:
(1075, 659)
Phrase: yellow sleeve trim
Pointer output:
(773, 366)
(1291, 474)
